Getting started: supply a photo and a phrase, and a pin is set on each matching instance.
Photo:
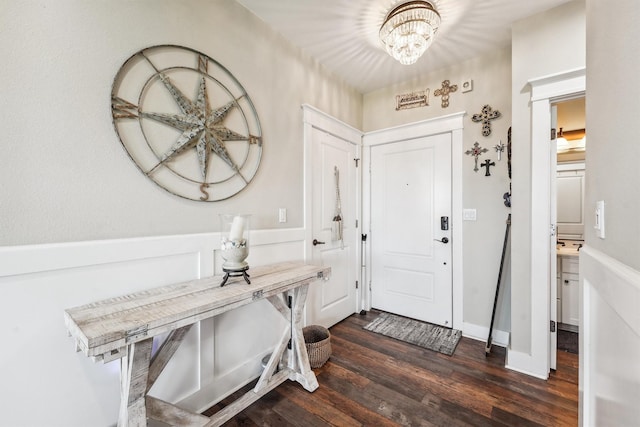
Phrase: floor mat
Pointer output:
(426, 335)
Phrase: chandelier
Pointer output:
(409, 29)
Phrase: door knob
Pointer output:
(317, 242)
(444, 240)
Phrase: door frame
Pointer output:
(313, 118)
(544, 92)
(454, 125)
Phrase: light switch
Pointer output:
(599, 219)
(469, 214)
(282, 215)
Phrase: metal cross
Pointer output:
(499, 149)
(485, 117)
(475, 152)
(487, 164)
(444, 92)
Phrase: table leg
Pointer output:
(134, 374)
(302, 372)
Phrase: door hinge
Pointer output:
(553, 133)
(356, 160)
(356, 223)
(356, 284)
(552, 326)
(552, 230)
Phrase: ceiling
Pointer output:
(343, 34)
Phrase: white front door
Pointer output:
(410, 202)
(335, 299)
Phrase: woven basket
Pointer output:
(317, 340)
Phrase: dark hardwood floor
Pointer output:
(372, 380)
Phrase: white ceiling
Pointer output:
(343, 34)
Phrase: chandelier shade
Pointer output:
(409, 29)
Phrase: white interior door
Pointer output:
(410, 261)
(335, 299)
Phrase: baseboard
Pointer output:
(525, 364)
(481, 333)
(223, 386)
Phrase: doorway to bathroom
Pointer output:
(569, 216)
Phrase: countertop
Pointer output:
(570, 248)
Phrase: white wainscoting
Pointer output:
(46, 383)
(609, 341)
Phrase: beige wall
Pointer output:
(613, 127)
(483, 238)
(66, 176)
(610, 267)
(545, 44)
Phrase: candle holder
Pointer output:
(234, 246)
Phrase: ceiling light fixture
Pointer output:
(409, 29)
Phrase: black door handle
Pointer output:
(444, 240)
(317, 242)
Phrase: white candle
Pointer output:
(237, 228)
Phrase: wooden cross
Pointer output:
(485, 117)
(475, 152)
(444, 92)
(487, 164)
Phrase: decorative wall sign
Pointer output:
(412, 100)
(444, 91)
(487, 164)
(186, 122)
(475, 151)
(499, 149)
(485, 117)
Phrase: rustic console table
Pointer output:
(123, 328)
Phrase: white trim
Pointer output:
(442, 124)
(562, 84)
(523, 363)
(316, 119)
(453, 124)
(481, 333)
(327, 123)
(543, 91)
(615, 282)
(607, 284)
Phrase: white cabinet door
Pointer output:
(570, 204)
(570, 298)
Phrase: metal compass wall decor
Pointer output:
(186, 122)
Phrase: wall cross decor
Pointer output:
(499, 149)
(444, 91)
(487, 164)
(485, 116)
(475, 151)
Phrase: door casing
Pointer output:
(544, 91)
(314, 119)
(446, 124)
